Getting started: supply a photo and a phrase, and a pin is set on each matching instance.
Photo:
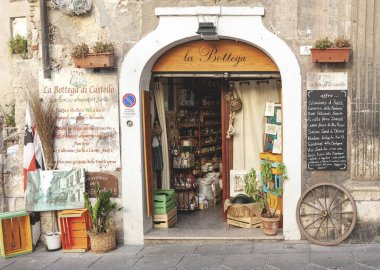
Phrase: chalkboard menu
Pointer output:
(326, 130)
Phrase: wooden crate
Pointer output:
(15, 234)
(245, 222)
(74, 225)
(165, 220)
(164, 201)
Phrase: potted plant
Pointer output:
(259, 192)
(326, 51)
(103, 234)
(18, 45)
(102, 55)
(53, 238)
(269, 217)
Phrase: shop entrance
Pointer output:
(177, 26)
(200, 157)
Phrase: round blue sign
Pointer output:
(129, 100)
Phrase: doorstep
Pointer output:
(231, 234)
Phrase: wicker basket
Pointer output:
(103, 242)
(240, 210)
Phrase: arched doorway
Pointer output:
(242, 24)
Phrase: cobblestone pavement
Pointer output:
(222, 256)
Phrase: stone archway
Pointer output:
(177, 26)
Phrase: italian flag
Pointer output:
(32, 148)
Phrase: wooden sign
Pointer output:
(220, 55)
(326, 130)
(106, 181)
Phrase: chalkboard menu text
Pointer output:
(326, 130)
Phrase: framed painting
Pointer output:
(237, 182)
(55, 190)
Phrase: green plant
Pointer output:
(323, 43)
(10, 120)
(80, 50)
(342, 42)
(103, 47)
(9, 116)
(257, 191)
(251, 187)
(18, 45)
(101, 212)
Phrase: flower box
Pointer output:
(330, 55)
(95, 60)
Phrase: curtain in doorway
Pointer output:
(248, 139)
(158, 91)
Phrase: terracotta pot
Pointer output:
(330, 55)
(92, 60)
(270, 225)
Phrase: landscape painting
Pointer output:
(55, 190)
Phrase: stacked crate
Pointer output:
(15, 234)
(74, 225)
(165, 210)
(273, 200)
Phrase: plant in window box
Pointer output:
(102, 55)
(19, 45)
(103, 234)
(326, 51)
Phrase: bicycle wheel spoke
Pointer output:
(305, 215)
(313, 222)
(335, 227)
(315, 196)
(332, 201)
(312, 206)
(324, 195)
(315, 235)
(327, 229)
(342, 213)
(339, 204)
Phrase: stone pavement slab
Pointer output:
(158, 261)
(371, 258)
(244, 261)
(279, 247)
(169, 249)
(32, 263)
(70, 263)
(115, 262)
(208, 249)
(288, 261)
(338, 248)
(5, 262)
(200, 262)
(334, 260)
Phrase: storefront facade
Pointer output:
(143, 31)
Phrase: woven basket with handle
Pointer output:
(103, 242)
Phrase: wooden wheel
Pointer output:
(326, 214)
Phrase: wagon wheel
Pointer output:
(326, 214)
